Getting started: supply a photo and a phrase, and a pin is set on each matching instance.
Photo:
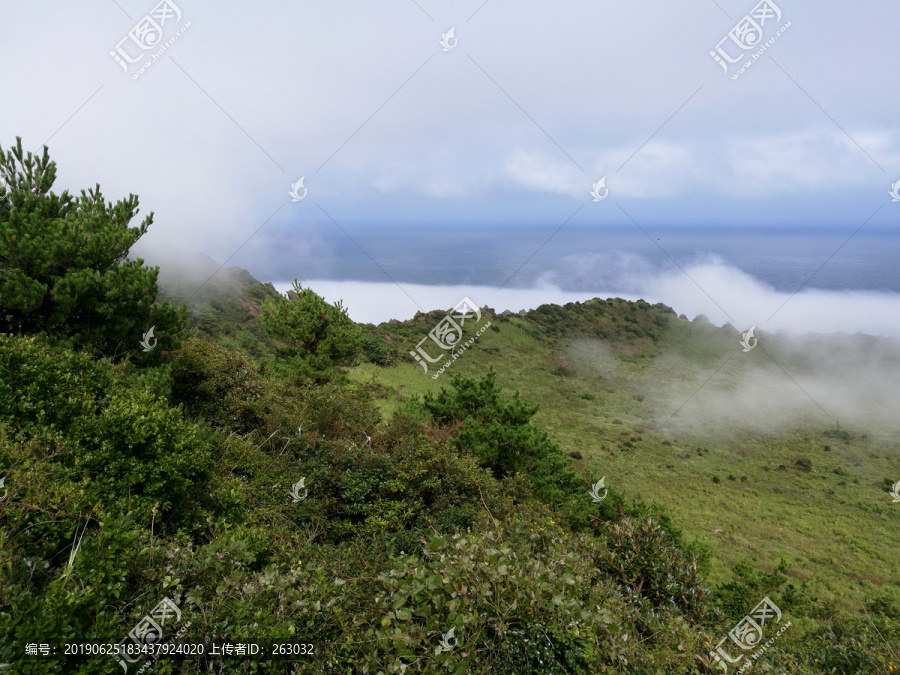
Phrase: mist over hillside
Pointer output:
(700, 383)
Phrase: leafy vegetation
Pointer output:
(133, 476)
(318, 336)
(62, 265)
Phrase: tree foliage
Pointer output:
(63, 263)
(497, 430)
(318, 337)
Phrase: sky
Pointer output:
(435, 169)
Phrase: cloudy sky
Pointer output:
(485, 146)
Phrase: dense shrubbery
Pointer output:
(648, 562)
(389, 492)
(377, 349)
(405, 534)
(127, 447)
(600, 319)
(217, 384)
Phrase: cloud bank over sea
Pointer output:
(711, 287)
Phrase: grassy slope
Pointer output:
(223, 304)
(832, 524)
(827, 532)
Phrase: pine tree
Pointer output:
(318, 336)
(63, 264)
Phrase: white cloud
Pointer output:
(823, 160)
(539, 172)
(703, 285)
(302, 82)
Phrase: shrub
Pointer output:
(376, 349)
(69, 603)
(123, 443)
(48, 386)
(736, 598)
(333, 411)
(497, 431)
(401, 483)
(552, 616)
(647, 560)
(318, 337)
(220, 385)
(138, 451)
(564, 367)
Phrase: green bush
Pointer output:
(399, 485)
(138, 451)
(647, 560)
(220, 385)
(334, 411)
(377, 349)
(318, 337)
(497, 431)
(496, 595)
(68, 602)
(121, 442)
(737, 597)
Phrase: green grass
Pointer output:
(832, 524)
